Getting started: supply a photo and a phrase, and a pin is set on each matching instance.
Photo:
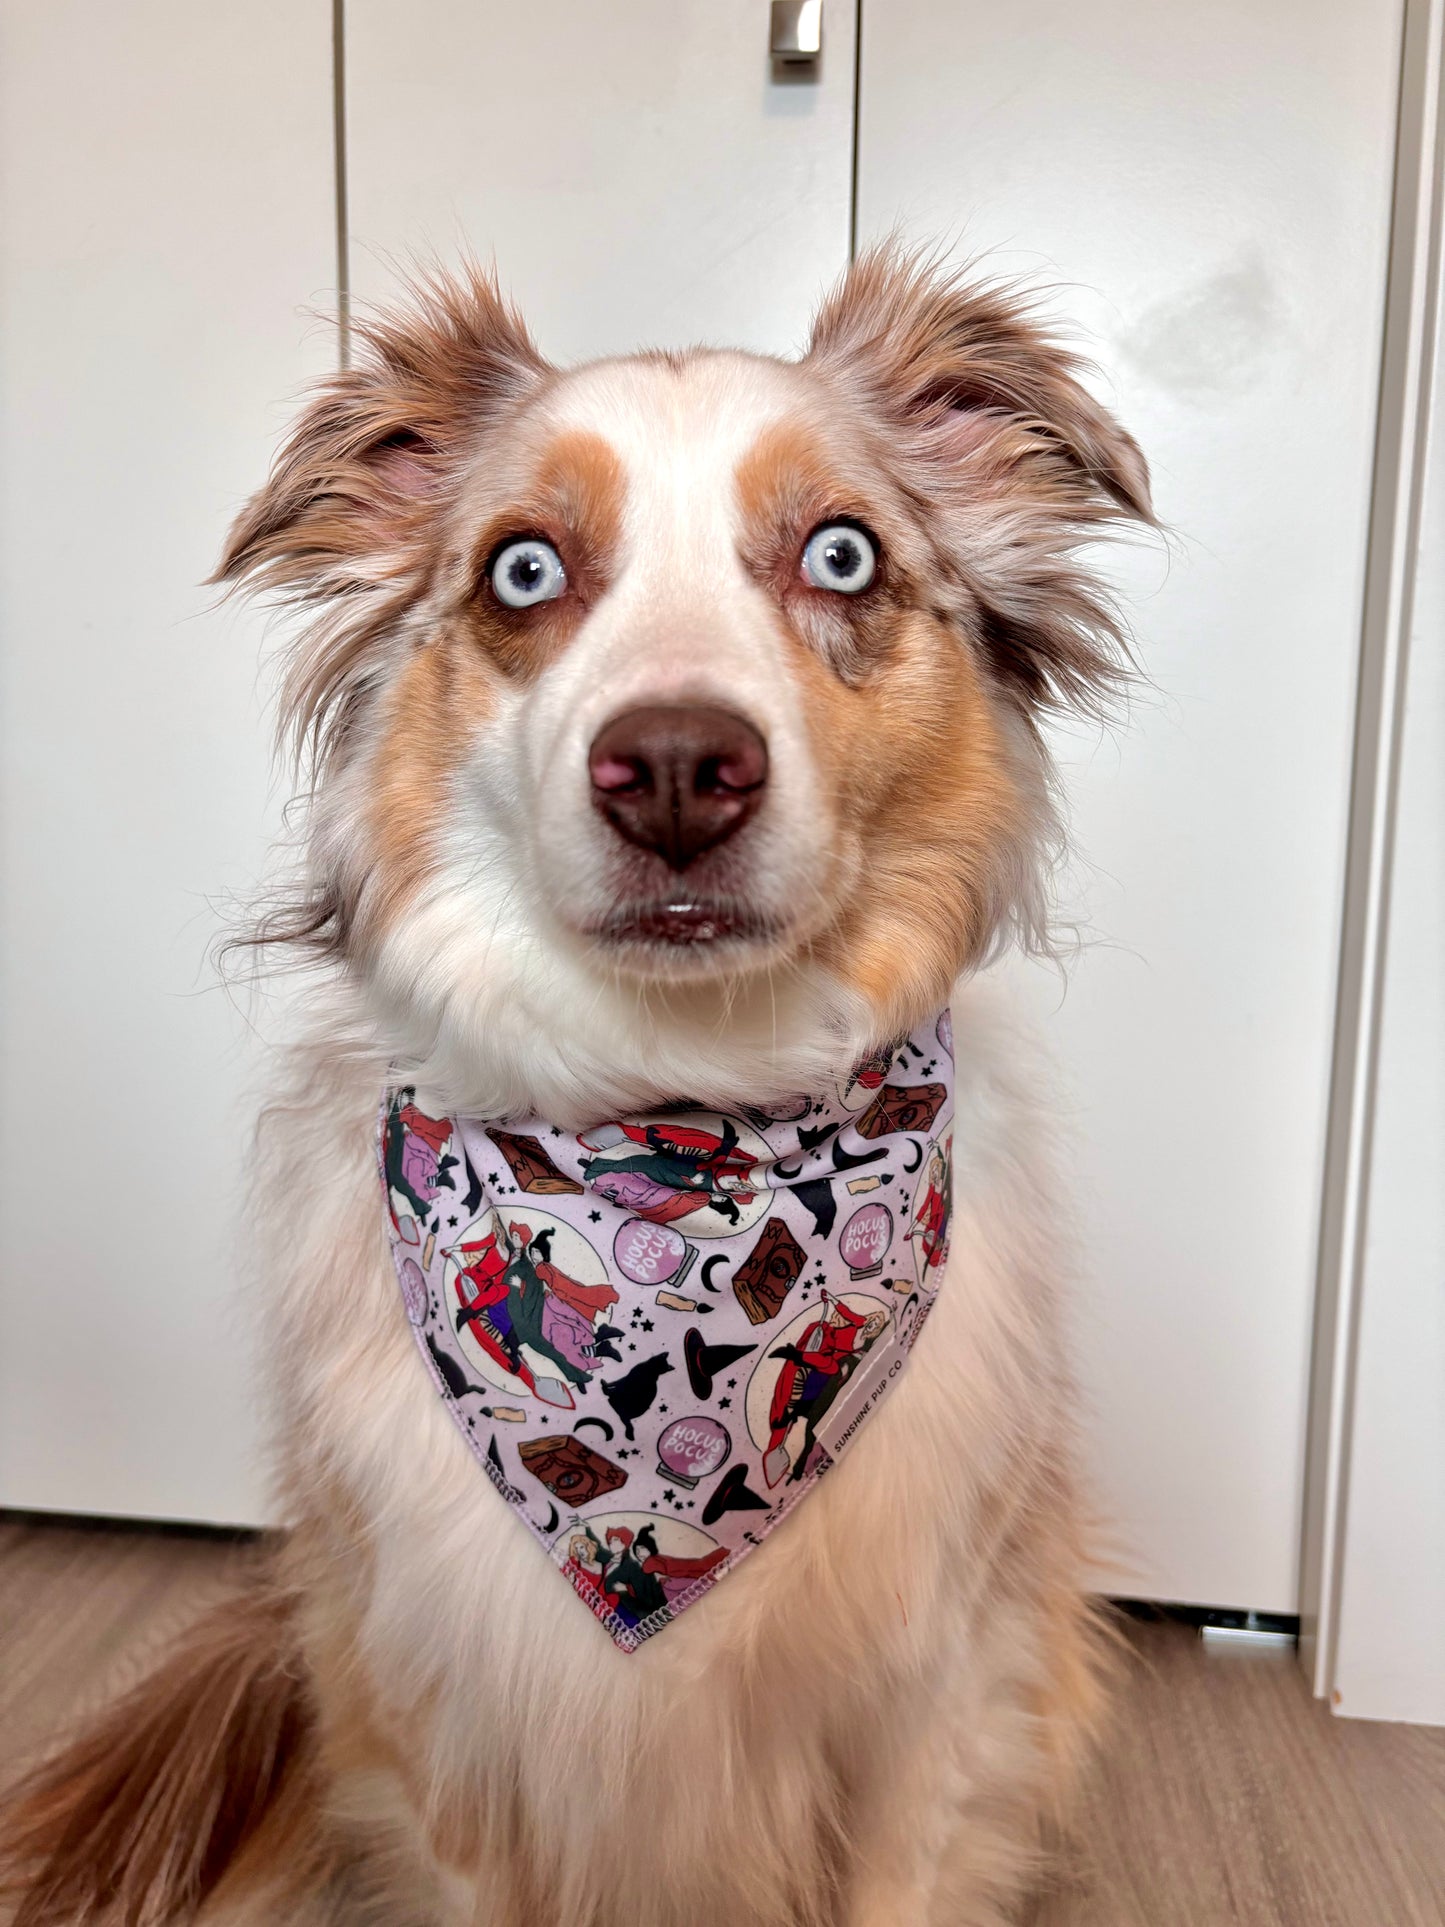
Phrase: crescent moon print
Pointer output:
(911, 1168)
(553, 1519)
(603, 1426)
(705, 1275)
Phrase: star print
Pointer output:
(690, 1505)
(555, 1131)
(662, 1408)
(453, 1223)
(595, 1216)
(732, 1384)
(723, 1404)
(630, 1346)
(647, 1324)
(668, 1496)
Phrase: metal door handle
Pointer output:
(796, 37)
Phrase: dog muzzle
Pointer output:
(657, 1334)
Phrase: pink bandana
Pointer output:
(657, 1334)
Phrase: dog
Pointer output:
(672, 731)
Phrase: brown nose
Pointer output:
(678, 779)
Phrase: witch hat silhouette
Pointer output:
(703, 1361)
(733, 1494)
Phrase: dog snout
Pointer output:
(678, 778)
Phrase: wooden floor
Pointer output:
(1226, 1797)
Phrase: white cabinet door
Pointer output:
(166, 221)
(638, 170)
(1389, 1646)
(1205, 186)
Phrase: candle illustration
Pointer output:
(866, 1237)
(670, 1301)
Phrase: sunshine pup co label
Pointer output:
(868, 1386)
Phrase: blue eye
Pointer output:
(840, 557)
(528, 572)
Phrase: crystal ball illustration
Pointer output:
(413, 1291)
(866, 1238)
(693, 1448)
(786, 1110)
(649, 1254)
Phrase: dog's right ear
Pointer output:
(376, 452)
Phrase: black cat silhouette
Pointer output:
(452, 1375)
(816, 1195)
(632, 1394)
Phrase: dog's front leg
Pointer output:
(939, 1842)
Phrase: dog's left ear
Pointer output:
(1015, 462)
(381, 443)
(348, 521)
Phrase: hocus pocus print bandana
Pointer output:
(657, 1333)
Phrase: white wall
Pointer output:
(165, 213)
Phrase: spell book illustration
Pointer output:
(658, 1333)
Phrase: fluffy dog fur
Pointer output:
(867, 1722)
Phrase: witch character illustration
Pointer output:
(814, 1371)
(643, 1580)
(413, 1149)
(674, 1170)
(630, 1574)
(510, 1295)
(587, 1565)
(571, 1310)
(930, 1225)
